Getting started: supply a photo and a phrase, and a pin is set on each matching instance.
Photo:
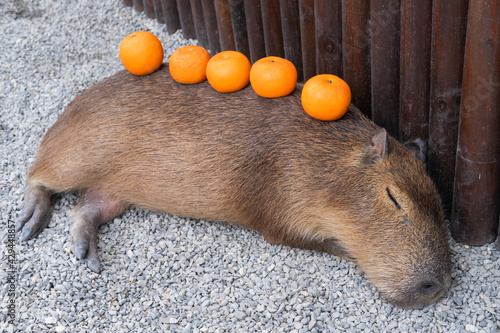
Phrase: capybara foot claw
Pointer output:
(26, 234)
(88, 254)
(80, 250)
(94, 265)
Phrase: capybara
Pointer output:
(345, 187)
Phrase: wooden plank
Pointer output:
(224, 25)
(477, 179)
(239, 23)
(138, 5)
(210, 19)
(356, 69)
(290, 22)
(385, 43)
(255, 31)
(160, 16)
(328, 20)
(307, 38)
(149, 8)
(199, 23)
(186, 19)
(271, 22)
(447, 60)
(416, 20)
(171, 15)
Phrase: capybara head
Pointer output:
(396, 231)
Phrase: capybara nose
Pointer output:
(429, 288)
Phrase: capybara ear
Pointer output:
(378, 148)
(418, 147)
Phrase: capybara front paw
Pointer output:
(84, 244)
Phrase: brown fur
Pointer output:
(261, 163)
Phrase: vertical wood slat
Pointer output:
(239, 24)
(385, 45)
(307, 38)
(291, 34)
(273, 35)
(328, 22)
(356, 69)
(138, 5)
(199, 23)
(447, 59)
(171, 15)
(186, 19)
(255, 30)
(416, 20)
(160, 16)
(211, 26)
(224, 25)
(477, 179)
(149, 8)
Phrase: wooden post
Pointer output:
(149, 8)
(328, 19)
(356, 52)
(498, 238)
(224, 25)
(186, 19)
(210, 19)
(385, 21)
(290, 22)
(171, 15)
(477, 178)
(255, 31)
(307, 38)
(238, 20)
(271, 21)
(128, 3)
(416, 20)
(160, 16)
(138, 5)
(447, 60)
(199, 23)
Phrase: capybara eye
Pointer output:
(392, 198)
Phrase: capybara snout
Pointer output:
(345, 187)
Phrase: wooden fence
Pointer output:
(424, 70)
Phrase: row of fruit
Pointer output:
(324, 97)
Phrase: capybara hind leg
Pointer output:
(93, 210)
(36, 212)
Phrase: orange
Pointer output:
(188, 64)
(326, 97)
(141, 53)
(228, 71)
(273, 77)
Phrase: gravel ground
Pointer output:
(161, 272)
